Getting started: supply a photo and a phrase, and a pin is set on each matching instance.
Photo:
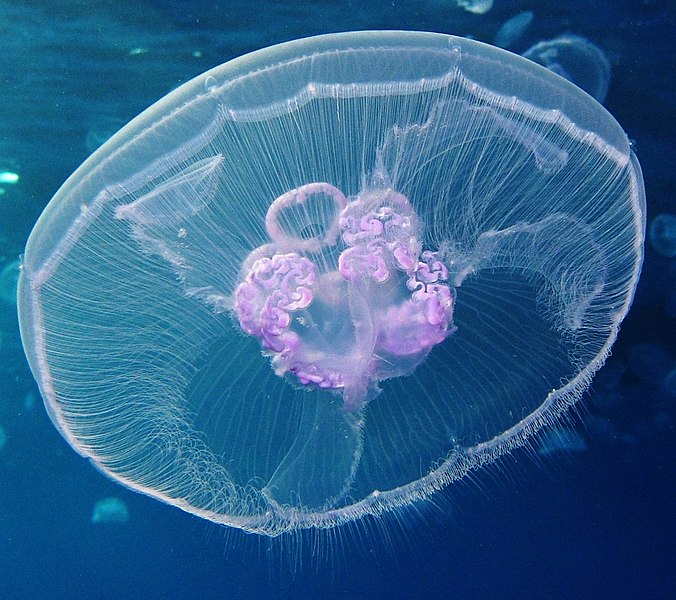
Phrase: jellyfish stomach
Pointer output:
(347, 324)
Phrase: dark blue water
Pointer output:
(597, 523)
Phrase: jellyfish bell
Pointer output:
(327, 279)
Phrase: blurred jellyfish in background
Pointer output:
(576, 59)
(662, 234)
(477, 7)
(29, 401)
(8, 178)
(513, 29)
(3, 437)
(110, 510)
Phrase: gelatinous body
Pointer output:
(329, 278)
(110, 510)
(663, 234)
(576, 59)
(477, 7)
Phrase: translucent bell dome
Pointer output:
(328, 278)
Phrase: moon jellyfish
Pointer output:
(512, 30)
(110, 510)
(576, 59)
(663, 234)
(327, 279)
(477, 7)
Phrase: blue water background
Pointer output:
(593, 524)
